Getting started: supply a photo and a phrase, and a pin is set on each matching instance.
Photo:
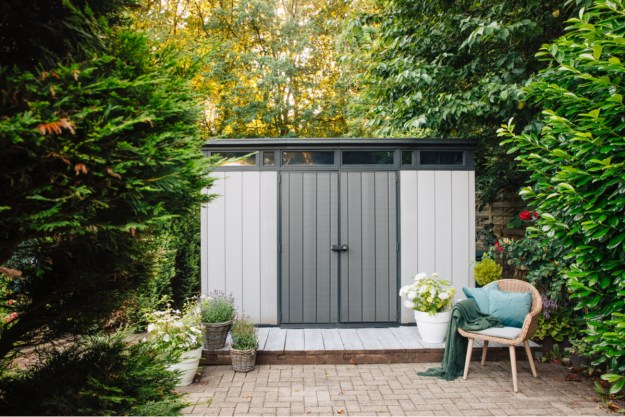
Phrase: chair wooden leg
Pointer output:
(468, 360)
(530, 357)
(484, 351)
(515, 382)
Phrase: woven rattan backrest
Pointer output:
(516, 285)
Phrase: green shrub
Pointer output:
(243, 334)
(576, 167)
(217, 307)
(487, 271)
(98, 376)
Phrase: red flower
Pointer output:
(535, 214)
(498, 247)
(11, 317)
(525, 215)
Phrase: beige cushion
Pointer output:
(503, 332)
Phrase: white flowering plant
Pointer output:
(174, 332)
(428, 294)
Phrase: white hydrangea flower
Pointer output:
(412, 294)
(443, 296)
(433, 292)
(420, 276)
(423, 289)
(435, 275)
(150, 327)
(409, 304)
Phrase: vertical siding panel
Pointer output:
(215, 253)
(383, 279)
(295, 270)
(353, 217)
(344, 260)
(309, 250)
(250, 301)
(392, 247)
(369, 243)
(323, 259)
(286, 245)
(268, 294)
(409, 233)
(443, 201)
(461, 228)
(334, 239)
(234, 234)
(426, 222)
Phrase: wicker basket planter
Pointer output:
(215, 335)
(243, 360)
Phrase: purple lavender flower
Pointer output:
(549, 306)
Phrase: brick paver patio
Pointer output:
(389, 389)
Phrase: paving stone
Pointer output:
(393, 389)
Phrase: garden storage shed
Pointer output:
(323, 232)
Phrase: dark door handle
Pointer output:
(339, 248)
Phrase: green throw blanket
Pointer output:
(466, 316)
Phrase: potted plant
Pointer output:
(217, 312)
(487, 271)
(179, 337)
(244, 345)
(431, 299)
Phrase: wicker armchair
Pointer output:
(509, 335)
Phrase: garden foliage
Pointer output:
(576, 167)
(452, 69)
(99, 376)
(99, 150)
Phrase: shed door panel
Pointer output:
(321, 209)
(369, 227)
(309, 226)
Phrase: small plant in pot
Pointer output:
(177, 335)
(217, 312)
(244, 345)
(431, 299)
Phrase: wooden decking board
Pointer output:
(276, 339)
(262, 333)
(294, 339)
(369, 339)
(407, 336)
(313, 340)
(350, 339)
(387, 339)
(332, 340)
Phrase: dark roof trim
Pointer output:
(413, 143)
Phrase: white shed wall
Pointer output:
(437, 227)
(240, 242)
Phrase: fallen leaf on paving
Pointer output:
(340, 411)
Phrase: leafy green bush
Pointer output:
(99, 149)
(487, 271)
(576, 167)
(98, 376)
(243, 334)
(544, 260)
(217, 307)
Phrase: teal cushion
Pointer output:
(480, 296)
(510, 307)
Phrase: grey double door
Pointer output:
(338, 247)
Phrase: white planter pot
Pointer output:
(433, 329)
(187, 365)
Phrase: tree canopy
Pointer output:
(266, 67)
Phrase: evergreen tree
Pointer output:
(99, 146)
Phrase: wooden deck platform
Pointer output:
(347, 345)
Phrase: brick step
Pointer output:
(263, 357)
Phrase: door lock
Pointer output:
(339, 248)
